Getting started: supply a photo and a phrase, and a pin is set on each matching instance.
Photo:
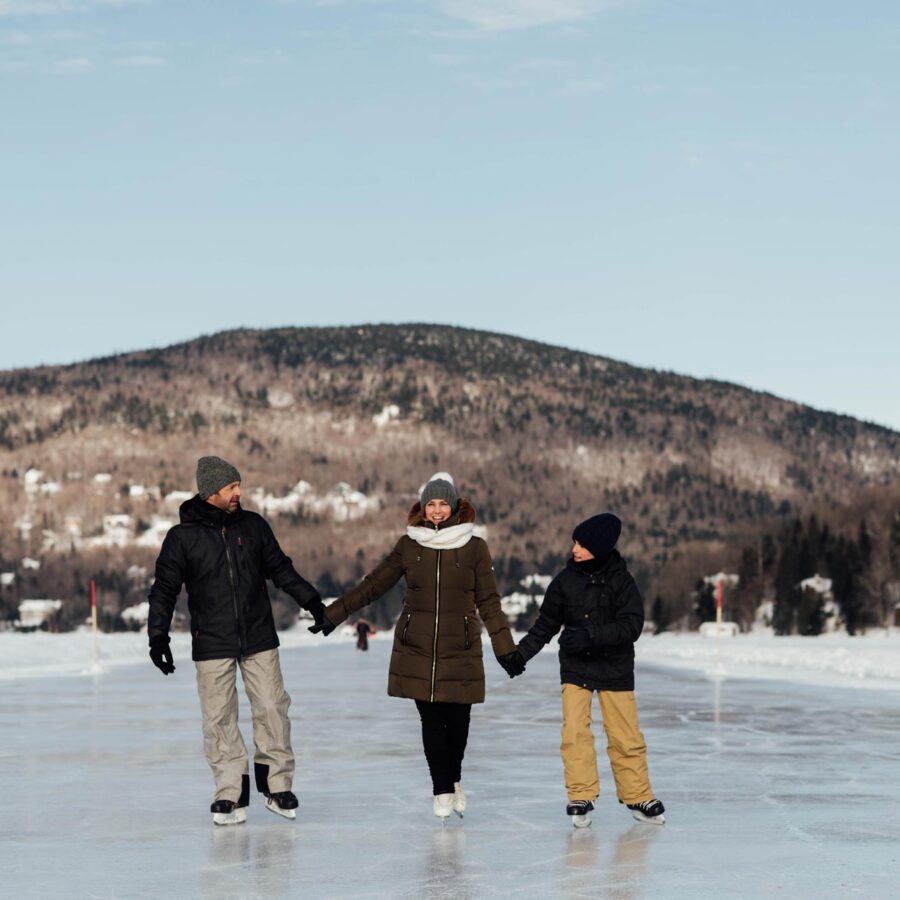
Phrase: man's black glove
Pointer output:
(577, 639)
(317, 608)
(514, 663)
(161, 654)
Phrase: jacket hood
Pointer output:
(616, 563)
(198, 512)
(465, 513)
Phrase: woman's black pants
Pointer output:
(445, 731)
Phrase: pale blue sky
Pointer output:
(704, 186)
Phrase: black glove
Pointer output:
(317, 608)
(161, 654)
(577, 639)
(514, 663)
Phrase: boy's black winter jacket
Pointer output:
(224, 560)
(609, 603)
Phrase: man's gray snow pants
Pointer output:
(269, 703)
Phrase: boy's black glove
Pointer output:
(317, 608)
(577, 639)
(513, 663)
(161, 655)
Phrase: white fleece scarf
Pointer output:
(445, 539)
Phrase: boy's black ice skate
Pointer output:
(580, 811)
(650, 811)
(284, 803)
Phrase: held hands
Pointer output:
(317, 608)
(513, 663)
(161, 655)
(577, 639)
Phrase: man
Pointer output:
(224, 554)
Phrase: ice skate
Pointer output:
(580, 811)
(459, 799)
(227, 812)
(443, 806)
(284, 803)
(650, 811)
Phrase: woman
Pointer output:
(436, 659)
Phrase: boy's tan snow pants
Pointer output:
(269, 703)
(624, 745)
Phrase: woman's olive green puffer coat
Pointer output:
(437, 640)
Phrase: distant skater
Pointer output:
(224, 554)
(436, 659)
(595, 600)
(363, 630)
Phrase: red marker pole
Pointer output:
(720, 590)
(94, 616)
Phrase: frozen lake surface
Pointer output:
(771, 789)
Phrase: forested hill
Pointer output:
(537, 436)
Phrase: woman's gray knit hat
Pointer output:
(440, 487)
(213, 474)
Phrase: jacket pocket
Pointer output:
(466, 632)
(405, 629)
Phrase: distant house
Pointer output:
(136, 616)
(724, 578)
(727, 629)
(816, 583)
(34, 613)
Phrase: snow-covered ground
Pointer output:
(772, 789)
(834, 660)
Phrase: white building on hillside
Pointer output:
(33, 613)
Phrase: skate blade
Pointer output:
(275, 808)
(458, 812)
(649, 820)
(581, 821)
(235, 817)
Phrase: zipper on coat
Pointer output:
(234, 602)
(405, 628)
(466, 629)
(437, 611)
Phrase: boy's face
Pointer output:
(581, 554)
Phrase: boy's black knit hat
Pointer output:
(599, 533)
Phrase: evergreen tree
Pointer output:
(704, 602)
(660, 614)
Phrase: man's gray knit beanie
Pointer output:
(440, 487)
(213, 474)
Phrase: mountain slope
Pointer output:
(538, 436)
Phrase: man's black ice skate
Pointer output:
(650, 811)
(580, 811)
(227, 812)
(284, 803)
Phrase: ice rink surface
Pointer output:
(772, 789)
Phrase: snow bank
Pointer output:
(836, 660)
(39, 654)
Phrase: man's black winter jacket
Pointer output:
(610, 603)
(224, 560)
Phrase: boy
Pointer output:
(599, 604)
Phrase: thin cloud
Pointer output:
(506, 15)
(20, 8)
(141, 62)
(76, 66)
